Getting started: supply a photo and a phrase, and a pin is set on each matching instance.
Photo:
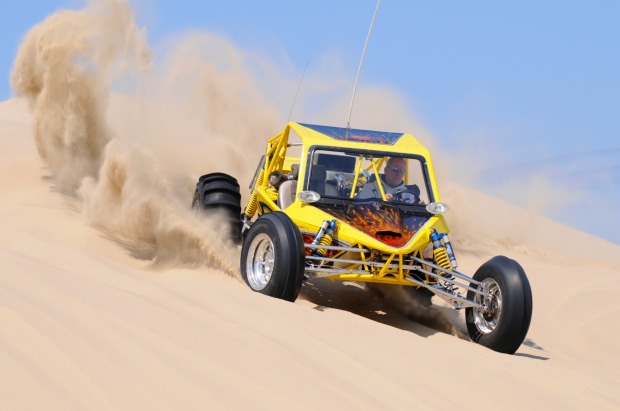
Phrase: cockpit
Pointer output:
(366, 175)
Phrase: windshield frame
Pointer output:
(379, 157)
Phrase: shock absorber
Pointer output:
(324, 236)
(250, 209)
(440, 253)
(445, 240)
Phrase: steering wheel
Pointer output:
(411, 196)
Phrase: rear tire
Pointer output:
(503, 323)
(219, 191)
(272, 257)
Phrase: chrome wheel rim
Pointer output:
(259, 263)
(486, 318)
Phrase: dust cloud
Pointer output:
(113, 153)
(415, 304)
(63, 68)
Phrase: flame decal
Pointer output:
(384, 222)
(361, 136)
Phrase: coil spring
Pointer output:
(441, 258)
(325, 240)
(250, 210)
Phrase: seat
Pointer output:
(331, 190)
(317, 179)
(317, 182)
(286, 193)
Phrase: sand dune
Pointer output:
(88, 324)
(113, 295)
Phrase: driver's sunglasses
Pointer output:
(399, 170)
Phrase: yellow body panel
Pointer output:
(309, 218)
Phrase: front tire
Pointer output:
(272, 257)
(505, 319)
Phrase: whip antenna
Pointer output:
(359, 69)
(298, 87)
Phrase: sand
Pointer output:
(113, 295)
(88, 325)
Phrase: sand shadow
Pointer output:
(530, 343)
(358, 299)
(534, 357)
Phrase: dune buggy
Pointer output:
(310, 216)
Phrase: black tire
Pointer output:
(503, 329)
(219, 191)
(273, 258)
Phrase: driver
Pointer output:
(392, 180)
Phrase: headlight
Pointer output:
(437, 208)
(309, 196)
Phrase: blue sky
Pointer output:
(529, 90)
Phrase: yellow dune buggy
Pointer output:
(320, 206)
